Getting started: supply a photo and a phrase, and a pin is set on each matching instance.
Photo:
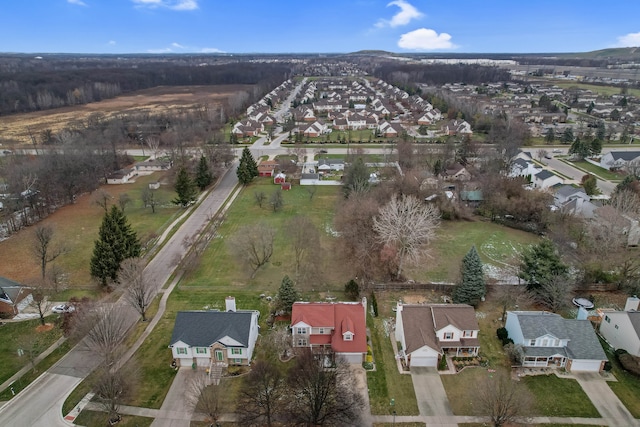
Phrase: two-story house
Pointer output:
(549, 340)
(340, 327)
(429, 332)
(207, 337)
(621, 329)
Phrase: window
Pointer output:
(237, 361)
(607, 319)
(302, 342)
(301, 331)
(236, 351)
(616, 326)
(545, 342)
(467, 334)
(201, 350)
(532, 342)
(181, 350)
(448, 336)
(348, 337)
(321, 331)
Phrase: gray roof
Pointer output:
(544, 174)
(11, 291)
(569, 190)
(204, 328)
(625, 155)
(310, 176)
(583, 343)
(521, 162)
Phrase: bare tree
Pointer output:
(101, 330)
(510, 297)
(150, 199)
(102, 199)
(311, 190)
(322, 396)
(204, 397)
(276, 200)
(554, 293)
(626, 201)
(504, 400)
(113, 387)
(124, 200)
(153, 142)
(253, 244)
(31, 345)
(304, 238)
(541, 154)
(408, 225)
(44, 249)
(138, 289)
(260, 197)
(40, 298)
(263, 395)
(277, 342)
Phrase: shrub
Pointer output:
(442, 364)
(630, 363)
(351, 290)
(374, 304)
(369, 358)
(503, 336)
(367, 365)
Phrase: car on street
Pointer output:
(63, 308)
(557, 150)
(323, 151)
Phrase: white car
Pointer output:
(63, 308)
(557, 150)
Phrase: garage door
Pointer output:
(585, 365)
(424, 361)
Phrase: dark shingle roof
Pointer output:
(544, 174)
(203, 328)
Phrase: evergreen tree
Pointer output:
(567, 136)
(550, 136)
(472, 286)
(248, 168)
(287, 295)
(203, 176)
(596, 147)
(580, 148)
(186, 189)
(356, 178)
(540, 264)
(116, 242)
(352, 290)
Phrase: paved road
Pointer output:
(40, 404)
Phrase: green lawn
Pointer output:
(219, 269)
(461, 396)
(627, 388)
(23, 335)
(596, 170)
(548, 389)
(386, 383)
(93, 418)
(497, 245)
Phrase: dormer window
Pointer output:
(348, 336)
(301, 331)
(448, 336)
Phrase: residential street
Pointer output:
(49, 391)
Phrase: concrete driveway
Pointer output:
(604, 399)
(430, 394)
(175, 411)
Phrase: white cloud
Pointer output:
(178, 48)
(111, 43)
(425, 39)
(168, 4)
(629, 40)
(406, 14)
(77, 2)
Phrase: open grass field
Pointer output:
(602, 90)
(218, 269)
(498, 246)
(94, 418)
(153, 101)
(547, 388)
(76, 227)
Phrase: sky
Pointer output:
(316, 26)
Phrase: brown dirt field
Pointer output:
(154, 100)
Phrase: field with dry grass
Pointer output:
(156, 100)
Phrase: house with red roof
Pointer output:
(337, 326)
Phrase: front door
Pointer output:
(219, 356)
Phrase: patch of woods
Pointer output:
(24, 88)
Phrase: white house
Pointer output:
(621, 329)
(545, 179)
(207, 337)
(619, 159)
(548, 340)
(428, 332)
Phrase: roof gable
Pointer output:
(204, 328)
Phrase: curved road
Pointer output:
(40, 404)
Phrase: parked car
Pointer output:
(323, 151)
(557, 150)
(63, 308)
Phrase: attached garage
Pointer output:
(424, 357)
(585, 365)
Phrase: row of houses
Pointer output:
(426, 333)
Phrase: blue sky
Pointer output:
(299, 26)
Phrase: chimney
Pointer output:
(632, 304)
(230, 304)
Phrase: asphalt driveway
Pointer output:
(430, 394)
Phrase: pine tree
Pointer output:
(287, 295)
(248, 168)
(540, 264)
(116, 242)
(203, 176)
(186, 189)
(472, 286)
